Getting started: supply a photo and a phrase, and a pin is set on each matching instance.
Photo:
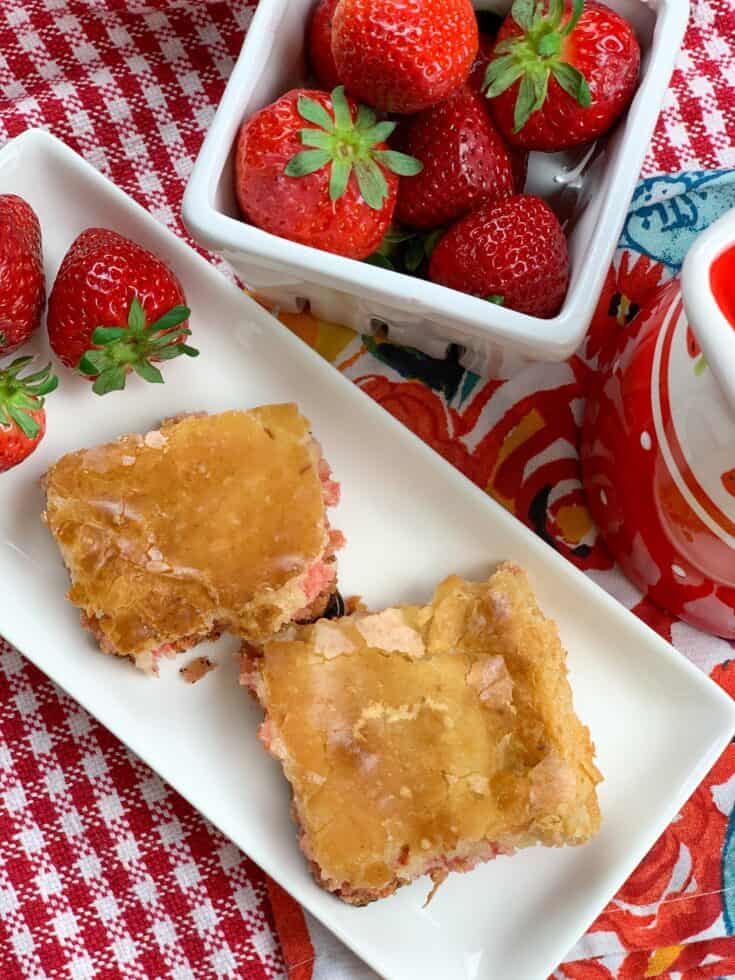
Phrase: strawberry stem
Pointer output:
(118, 350)
(20, 397)
(348, 145)
(536, 56)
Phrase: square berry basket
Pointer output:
(590, 189)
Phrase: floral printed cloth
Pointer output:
(518, 440)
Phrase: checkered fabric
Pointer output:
(104, 871)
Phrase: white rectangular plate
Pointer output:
(410, 519)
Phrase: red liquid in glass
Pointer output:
(722, 283)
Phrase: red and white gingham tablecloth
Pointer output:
(105, 871)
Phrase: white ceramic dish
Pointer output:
(592, 193)
(410, 518)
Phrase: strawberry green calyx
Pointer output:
(19, 397)
(345, 145)
(120, 349)
(535, 56)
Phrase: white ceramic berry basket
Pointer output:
(591, 190)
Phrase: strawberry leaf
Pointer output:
(342, 114)
(366, 118)
(119, 351)
(531, 96)
(523, 12)
(503, 80)
(340, 176)
(112, 379)
(526, 98)
(380, 132)
(577, 11)
(148, 372)
(396, 237)
(17, 366)
(50, 384)
(535, 55)
(19, 397)
(382, 261)
(556, 11)
(432, 240)
(92, 362)
(495, 298)
(550, 46)
(350, 144)
(136, 317)
(573, 82)
(314, 112)
(372, 184)
(415, 255)
(175, 316)
(25, 422)
(399, 163)
(167, 338)
(41, 375)
(103, 335)
(317, 138)
(307, 162)
(169, 353)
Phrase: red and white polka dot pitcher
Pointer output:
(658, 449)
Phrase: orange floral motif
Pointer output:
(713, 959)
(515, 461)
(423, 412)
(673, 893)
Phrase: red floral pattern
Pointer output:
(674, 891)
(630, 282)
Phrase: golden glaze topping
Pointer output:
(429, 733)
(169, 533)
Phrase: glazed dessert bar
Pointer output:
(208, 523)
(426, 739)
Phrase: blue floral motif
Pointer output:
(667, 212)
(728, 877)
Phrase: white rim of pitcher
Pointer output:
(714, 332)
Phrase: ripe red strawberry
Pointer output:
(562, 76)
(22, 415)
(465, 161)
(332, 185)
(403, 55)
(22, 282)
(114, 308)
(319, 39)
(512, 252)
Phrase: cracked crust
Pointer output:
(423, 740)
(206, 524)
